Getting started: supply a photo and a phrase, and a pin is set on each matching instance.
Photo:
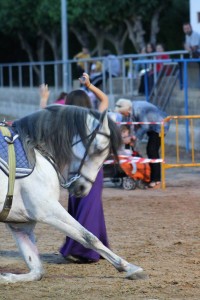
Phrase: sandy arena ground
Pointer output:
(156, 229)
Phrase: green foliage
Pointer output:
(48, 14)
(15, 16)
(30, 18)
(112, 11)
(171, 33)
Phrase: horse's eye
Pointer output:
(99, 151)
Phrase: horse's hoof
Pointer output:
(136, 275)
(3, 278)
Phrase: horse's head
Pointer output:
(90, 154)
(77, 139)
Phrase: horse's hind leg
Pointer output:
(64, 222)
(23, 234)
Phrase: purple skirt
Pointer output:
(88, 211)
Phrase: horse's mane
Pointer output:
(51, 130)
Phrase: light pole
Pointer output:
(64, 29)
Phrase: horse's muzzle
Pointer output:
(80, 188)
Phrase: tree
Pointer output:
(171, 23)
(95, 23)
(34, 22)
(114, 21)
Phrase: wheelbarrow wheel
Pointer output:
(141, 184)
(129, 184)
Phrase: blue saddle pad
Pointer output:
(23, 167)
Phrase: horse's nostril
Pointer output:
(79, 190)
(82, 188)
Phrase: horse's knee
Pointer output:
(37, 274)
(90, 239)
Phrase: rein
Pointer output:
(78, 174)
(66, 184)
(92, 136)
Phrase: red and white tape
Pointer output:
(131, 159)
(137, 123)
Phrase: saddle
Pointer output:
(23, 167)
(13, 162)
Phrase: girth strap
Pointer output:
(11, 178)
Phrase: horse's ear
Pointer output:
(104, 122)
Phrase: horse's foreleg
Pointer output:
(64, 222)
(23, 234)
(132, 271)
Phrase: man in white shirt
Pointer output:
(192, 41)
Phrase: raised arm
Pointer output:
(103, 98)
(44, 95)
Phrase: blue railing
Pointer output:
(31, 74)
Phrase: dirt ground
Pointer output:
(155, 229)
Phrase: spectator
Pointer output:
(93, 99)
(161, 68)
(141, 66)
(96, 68)
(192, 41)
(84, 54)
(128, 139)
(143, 111)
(161, 56)
(147, 71)
(111, 67)
(134, 170)
(140, 69)
(44, 96)
(62, 98)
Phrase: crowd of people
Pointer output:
(110, 66)
(98, 70)
(146, 73)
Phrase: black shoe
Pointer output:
(78, 259)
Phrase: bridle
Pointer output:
(78, 174)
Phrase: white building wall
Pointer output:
(194, 12)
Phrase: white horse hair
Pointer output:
(72, 136)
